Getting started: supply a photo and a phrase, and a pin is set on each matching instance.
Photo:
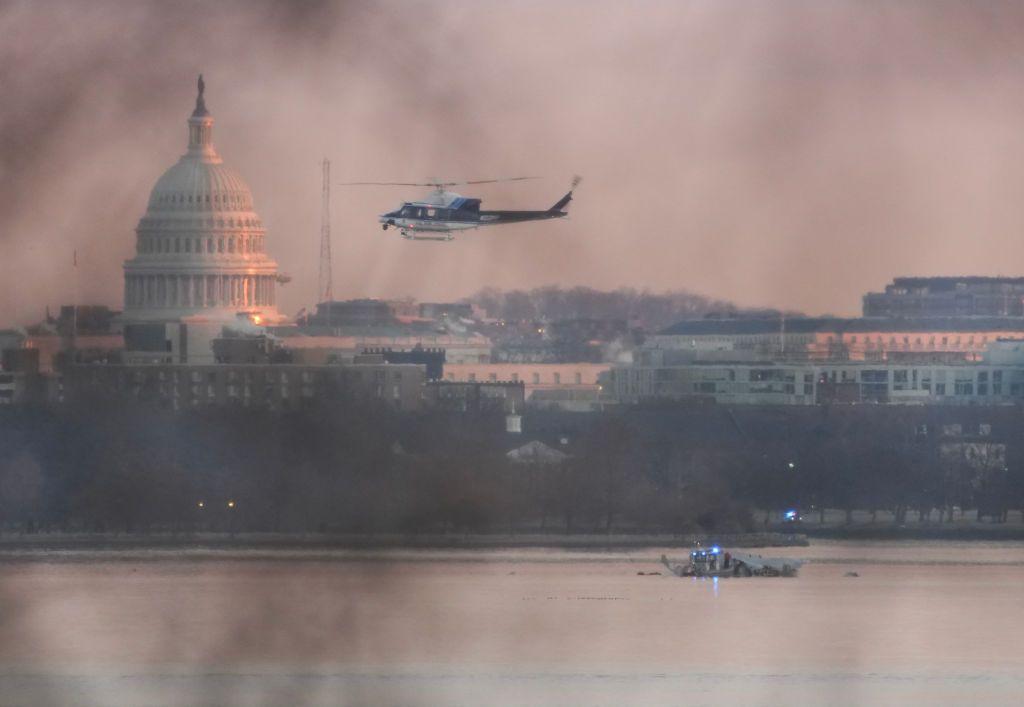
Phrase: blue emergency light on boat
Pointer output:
(715, 550)
(790, 515)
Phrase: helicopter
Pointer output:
(441, 212)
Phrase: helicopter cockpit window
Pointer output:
(408, 211)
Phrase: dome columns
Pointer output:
(197, 292)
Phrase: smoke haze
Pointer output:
(788, 154)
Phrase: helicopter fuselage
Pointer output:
(444, 212)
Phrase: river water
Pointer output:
(936, 623)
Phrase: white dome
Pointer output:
(200, 184)
(200, 247)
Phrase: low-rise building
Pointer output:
(996, 379)
(948, 297)
(312, 346)
(476, 396)
(564, 385)
(20, 379)
(272, 386)
(830, 339)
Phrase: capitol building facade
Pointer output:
(200, 253)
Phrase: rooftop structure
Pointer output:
(356, 312)
(830, 339)
(948, 296)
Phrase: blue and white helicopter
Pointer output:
(441, 212)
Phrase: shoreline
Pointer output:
(61, 542)
(69, 546)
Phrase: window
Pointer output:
(984, 429)
(899, 380)
(220, 245)
(558, 378)
(536, 378)
(578, 378)
(963, 388)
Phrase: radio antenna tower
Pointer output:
(324, 283)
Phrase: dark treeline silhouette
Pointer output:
(653, 311)
(101, 465)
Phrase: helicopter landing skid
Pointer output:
(445, 237)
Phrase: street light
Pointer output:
(231, 504)
(201, 504)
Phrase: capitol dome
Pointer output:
(200, 245)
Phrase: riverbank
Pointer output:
(62, 542)
(913, 531)
(883, 525)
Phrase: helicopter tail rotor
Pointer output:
(559, 208)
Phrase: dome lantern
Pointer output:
(200, 126)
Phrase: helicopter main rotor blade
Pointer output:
(399, 184)
(435, 184)
(504, 179)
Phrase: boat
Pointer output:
(715, 562)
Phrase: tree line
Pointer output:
(105, 465)
(653, 311)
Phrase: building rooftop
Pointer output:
(949, 282)
(812, 325)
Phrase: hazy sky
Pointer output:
(788, 154)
